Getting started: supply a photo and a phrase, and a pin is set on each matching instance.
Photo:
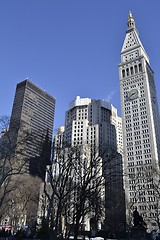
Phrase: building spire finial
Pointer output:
(131, 22)
(130, 14)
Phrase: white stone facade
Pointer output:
(91, 122)
(140, 118)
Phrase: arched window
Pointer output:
(123, 73)
(140, 67)
(127, 71)
(136, 69)
(131, 69)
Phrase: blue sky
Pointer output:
(71, 47)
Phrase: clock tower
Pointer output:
(141, 134)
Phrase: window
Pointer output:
(140, 67)
(135, 68)
(123, 73)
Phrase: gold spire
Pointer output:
(131, 22)
(130, 16)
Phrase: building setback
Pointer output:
(141, 129)
(33, 113)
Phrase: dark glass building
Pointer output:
(31, 122)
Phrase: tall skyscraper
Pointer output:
(33, 113)
(141, 126)
(95, 123)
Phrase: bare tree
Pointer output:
(75, 188)
(13, 158)
(145, 189)
(152, 190)
(89, 192)
(20, 204)
(57, 188)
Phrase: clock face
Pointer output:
(133, 94)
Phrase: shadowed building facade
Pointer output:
(33, 116)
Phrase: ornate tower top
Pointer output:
(132, 46)
(131, 22)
